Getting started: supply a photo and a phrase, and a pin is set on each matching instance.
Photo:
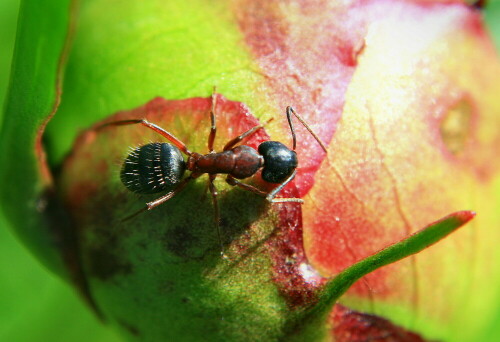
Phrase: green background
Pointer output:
(34, 304)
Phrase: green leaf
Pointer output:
(30, 296)
(312, 321)
(32, 97)
(492, 18)
(8, 16)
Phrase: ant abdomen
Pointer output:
(153, 168)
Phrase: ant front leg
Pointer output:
(271, 197)
(230, 144)
(234, 182)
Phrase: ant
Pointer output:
(158, 167)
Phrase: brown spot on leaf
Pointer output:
(455, 127)
(180, 241)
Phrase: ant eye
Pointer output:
(153, 168)
(279, 161)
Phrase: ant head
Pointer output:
(279, 161)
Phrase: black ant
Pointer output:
(158, 167)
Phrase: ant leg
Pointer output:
(289, 112)
(234, 182)
(155, 128)
(204, 194)
(164, 198)
(213, 128)
(214, 192)
(242, 136)
(269, 196)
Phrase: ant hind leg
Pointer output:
(153, 204)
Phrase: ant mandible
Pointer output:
(158, 167)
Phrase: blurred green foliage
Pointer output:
(37, 306)
(492, 17)
(34, 304)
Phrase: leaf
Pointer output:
(413, 244)
(312, 321)
(36, 304)
(8, 12)
(32, 97)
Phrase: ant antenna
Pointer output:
(289, 112)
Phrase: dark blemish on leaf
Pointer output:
(455, 127)
(180, 241)
(241, 210)
(194, 235)
(130, 328)
(354, 326)
(105, 264)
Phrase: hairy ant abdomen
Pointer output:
(153, 168)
